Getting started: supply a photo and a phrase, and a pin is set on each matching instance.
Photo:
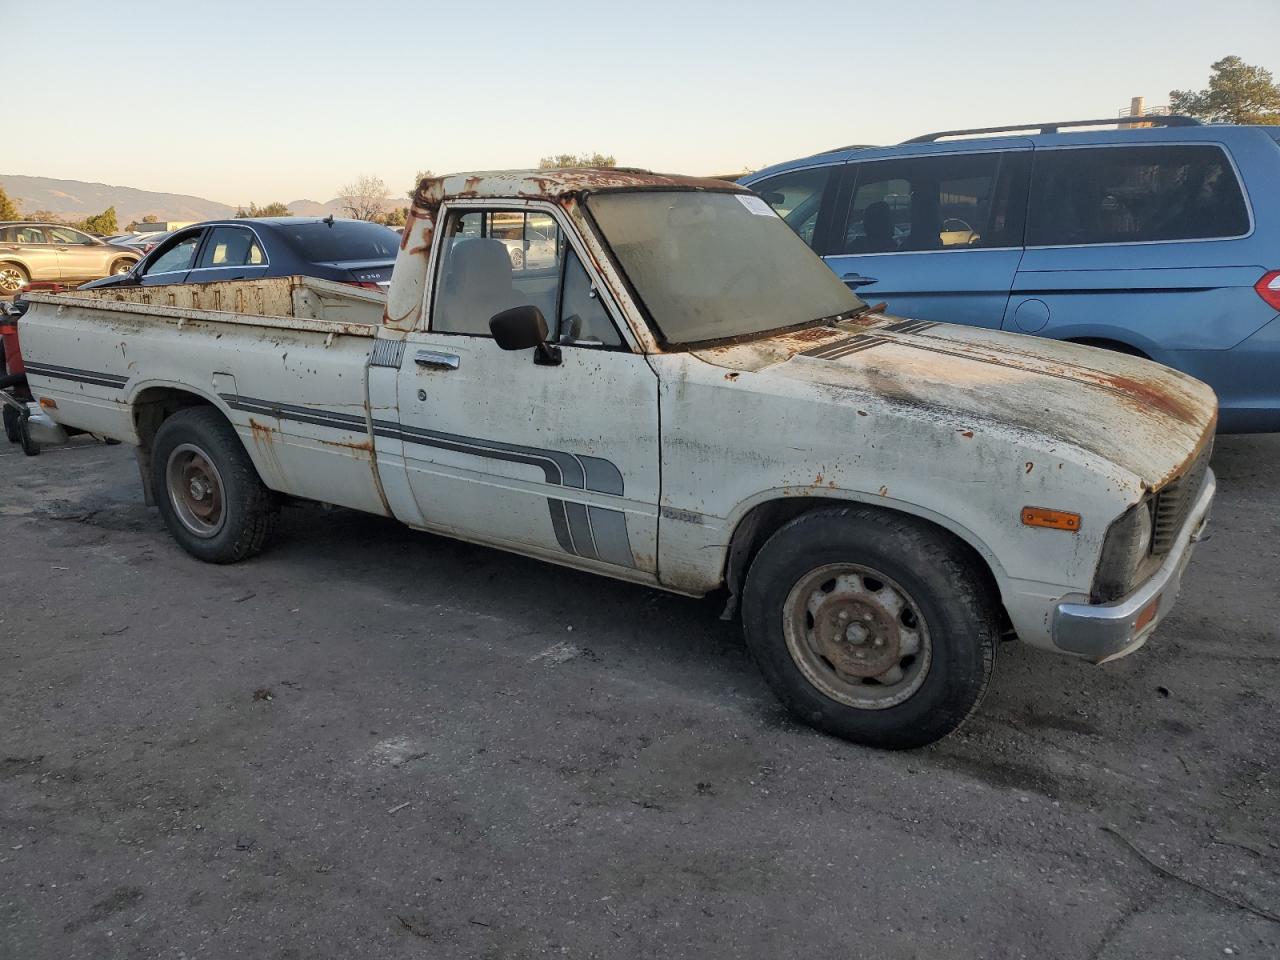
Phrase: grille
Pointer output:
(1174, 502)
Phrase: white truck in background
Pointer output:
(682, 396)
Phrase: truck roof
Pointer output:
(556, 184)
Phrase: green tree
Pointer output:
(274, 209)
(418, 178)
(103, 224)
(43, 216)
(8, 209)
(577, 160)
(1238, 92)
(397, 217)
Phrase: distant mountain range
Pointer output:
(75, 200)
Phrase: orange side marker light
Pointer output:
(1053, 519)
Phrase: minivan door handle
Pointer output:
(857, 280)
(436, 360)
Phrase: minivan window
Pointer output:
(797, 198)
(951, 202)
(1141, 194)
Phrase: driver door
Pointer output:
(555, 460)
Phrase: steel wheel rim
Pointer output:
(196, 490)
(10, 280)
(123, 268)
(857, 636)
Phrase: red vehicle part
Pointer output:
(12, 355)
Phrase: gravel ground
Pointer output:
(374, 743)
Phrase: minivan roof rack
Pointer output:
(1153, 120)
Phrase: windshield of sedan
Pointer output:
(712, 266)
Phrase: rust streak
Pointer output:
(1149, 396)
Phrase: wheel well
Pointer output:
(764, 520)
(1116, 346)
(154, 405)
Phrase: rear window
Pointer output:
(320, 242)
(1134, 195)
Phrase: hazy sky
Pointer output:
(259, 101)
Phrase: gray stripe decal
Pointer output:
(580, 530)
(56, 372)
(593, 533)
(602, 476)
(610, 530)
(560, 524)
(910, 326)
(845, 347)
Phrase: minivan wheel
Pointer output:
(12, 278)
(207, 488)
(871, 626)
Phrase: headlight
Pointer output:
(1126, 554)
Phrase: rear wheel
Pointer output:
(12, 278)
(208, 490)
(121, 267)
(871, 626)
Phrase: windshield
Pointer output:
(710, 266)
(322, 242)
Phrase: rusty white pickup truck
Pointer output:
(682, 396)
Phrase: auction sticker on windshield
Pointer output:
(755, 205)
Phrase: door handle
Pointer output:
(436, 360)
(857, 280)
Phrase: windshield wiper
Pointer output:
(851, 314)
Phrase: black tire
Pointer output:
(11, 424)
(240, 514)
(29, 446)
(948, 617)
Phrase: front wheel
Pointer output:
(871, 626)
(121, 267)
(207, 489)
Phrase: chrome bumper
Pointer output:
(1105, 631)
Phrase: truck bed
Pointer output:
(297, 303)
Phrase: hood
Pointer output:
(1143, 417)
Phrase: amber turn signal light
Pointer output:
(1053, 519)
(48, 403)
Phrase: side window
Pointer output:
(583, 318)
(69, 236)
(177, 258)
(797, 198)
(231, 247)
(1134, 195)
(22, 234)
(948, 202)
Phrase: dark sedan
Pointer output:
(349, 251)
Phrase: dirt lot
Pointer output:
(373, 743)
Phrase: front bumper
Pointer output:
(1105, 631)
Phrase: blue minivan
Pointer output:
(1161, 240)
